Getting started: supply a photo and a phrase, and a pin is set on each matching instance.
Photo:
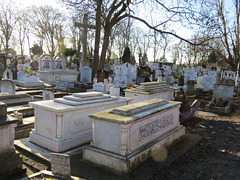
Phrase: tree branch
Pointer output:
(167, 32)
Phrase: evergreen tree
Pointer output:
(126, 55)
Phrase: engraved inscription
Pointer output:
(78, 122)
(155, 126)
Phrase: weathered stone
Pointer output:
(3, 111)
(60, 165)
(124, 137)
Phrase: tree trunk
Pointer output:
(107, 33)
(97, 38)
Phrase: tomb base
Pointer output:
(11, 163)
(62, 144)
(220, 110)
(63, 123)
(124, 164)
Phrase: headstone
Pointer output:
(86, 75)
(143, 74)
(190, 87)
(62, 85)
(224, 90)
(34, 65)
(59, 62)
(101, 75)
(7, 86)
(45, 62)
(48, 94)
(115, 91)
(60, 165)
(189, 75)
(200, 82)
(126, 136)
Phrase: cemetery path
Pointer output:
(217, 156)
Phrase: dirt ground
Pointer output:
(217, 156)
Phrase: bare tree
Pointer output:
(45, 20)
(23, 29)
(8, 20)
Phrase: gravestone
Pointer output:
(7, 86)
(190, 87)
(143, 74)
(115, 91)
(126, 136)
(46, 62)
(48, 94)
(224, 90)
(60, 165)
(101, 75)
(34, 65)
(189, 75)
(61, 85)
(59, 62)
(86, 75)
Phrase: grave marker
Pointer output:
(85, 26)
(60, 165)
(7, 86)
(86, 75)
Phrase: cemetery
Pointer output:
(86, 92)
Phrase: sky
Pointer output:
(38, 2)
(183, 33)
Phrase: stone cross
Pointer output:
(85, 26)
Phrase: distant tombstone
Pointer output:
(7, 74)
(59, 62)
(143, 74)
(86, 74)
(62, 85)
(60, 165)
(190, 87)
(115, 91)
(34, 65)
(189, 75)
(7, 86)
(101, 75)
(224, 90)
(48, 94)
(45, 62)
(212, 73)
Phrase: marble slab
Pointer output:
(63, 123)
(125, 136)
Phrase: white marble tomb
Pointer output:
(150, 90)
(126, 136)
(63, 123)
